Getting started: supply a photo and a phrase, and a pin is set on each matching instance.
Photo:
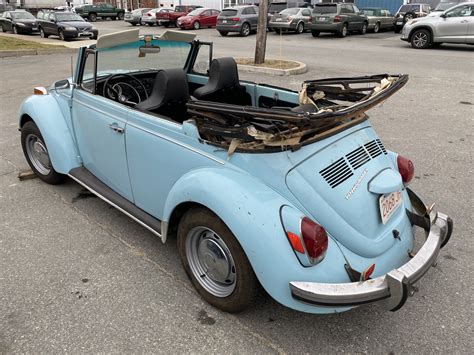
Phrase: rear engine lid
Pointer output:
(333, 185)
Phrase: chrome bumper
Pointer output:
(392, 289)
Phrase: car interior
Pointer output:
(166, 92)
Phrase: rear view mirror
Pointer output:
(148, 49)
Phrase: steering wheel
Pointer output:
(115, 91)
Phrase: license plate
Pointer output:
(388, 204)
(34, 28)
(279, 19)
(322, 19)
(399, 22)
(224, 21)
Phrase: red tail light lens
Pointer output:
(337, 18)
(405, 168)
(236, 19)
(315, 239)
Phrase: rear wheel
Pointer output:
(343, 31)
(245, 29)
(363, 30)
(215, 262)
(223, 33)
(176, 23)
(37, 155)
(300, 28)
(315, 33)
(421, 39)
(92, 17)
(120, 16)
(377, 27)
(42, 34)
(196, 25)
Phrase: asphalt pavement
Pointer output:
(78, 276)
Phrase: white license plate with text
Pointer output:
(388, 204)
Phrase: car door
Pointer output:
(50, 26)
(358, 15)
(7, 21)
(253, 16)
(99, 127)
(453, 26)
(206, 18)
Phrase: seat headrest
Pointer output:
(172, 84)
(223, 73)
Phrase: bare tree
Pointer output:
(261, 32)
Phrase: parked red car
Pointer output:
(171, 18)
(198, 18)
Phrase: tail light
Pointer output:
(289, 18)
(314, 239)
(405, 168)
(236, 19)
(337, 18)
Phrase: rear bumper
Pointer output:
(229, 28)
(327, 27)
(392, 289)
(282, 25)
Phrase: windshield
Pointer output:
(409, 8)
(293, 11)
(180, 9)
(325, 9)
(22, 16)
(195, 12)
(444, 6)
(126, 58)
(68, 17)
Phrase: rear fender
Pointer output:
(251, 210)
(46, 113)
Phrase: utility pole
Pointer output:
(261, 32)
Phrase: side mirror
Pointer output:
(62, 84)
(442, 15)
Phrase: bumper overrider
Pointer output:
(392, 289)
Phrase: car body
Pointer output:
(338, 18)
(18, 21)
(241, 19)
(408, 12)
(170, 18)
(275, 7)
(134, 17)
(292, 19)
(65, 25)
(379, 19)
(199, 18)
(455, 25)
(259, 184)
(149, 18)
(99, 10)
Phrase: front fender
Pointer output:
(251, 210)
(44, 110)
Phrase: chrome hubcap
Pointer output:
(210, 261)
(246, 30)
(38, 154)
(420, 39)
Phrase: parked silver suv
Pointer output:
(241, 19)
(338, 18)
(455, 25)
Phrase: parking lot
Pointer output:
(78, 276)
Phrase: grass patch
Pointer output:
(269, 63)
(15, 44)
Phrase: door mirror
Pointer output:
(442, 15)
(62, 84)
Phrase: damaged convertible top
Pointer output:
(326, 107)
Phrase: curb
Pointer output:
(24, 52)
(300, 69)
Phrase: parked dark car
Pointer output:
(102, 10)
(65, 25)
(202, 17)
(241, 19)
(408, 12)
(134, 17)
(293, 19)
(379, 19)
(338, 18)
(18, 21)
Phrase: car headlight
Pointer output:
(93, 28)
(20, 24)
(69, 28)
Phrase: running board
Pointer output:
(98, 188)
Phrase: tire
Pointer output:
(42, 33)
(245, 29)
(363, 30)
(203, 238)
(176, 23)
(92, 17)
(315, 33)
(277, 31)
(343, 32)
(421, 39)
(61, 35)
(300, 28)
(196, 25)
(37, 156)
(120, 16)
(15, 30)
(377, 27)
(408, 16)
(223, 33)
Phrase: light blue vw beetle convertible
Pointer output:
(262, 186)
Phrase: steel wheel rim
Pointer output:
(38, 154)
(300, 28)
(246, 30)
(61, 35)
(364, 29)
(420, 39)
(210, 261)
(15, 30)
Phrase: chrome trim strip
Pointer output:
(114, 205)
(169, 139)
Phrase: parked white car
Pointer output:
(150, 17)
(455, 25)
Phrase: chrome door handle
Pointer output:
(116, 128)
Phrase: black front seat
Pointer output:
(223, 85)
(169, 95)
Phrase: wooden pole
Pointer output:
(261, 32)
